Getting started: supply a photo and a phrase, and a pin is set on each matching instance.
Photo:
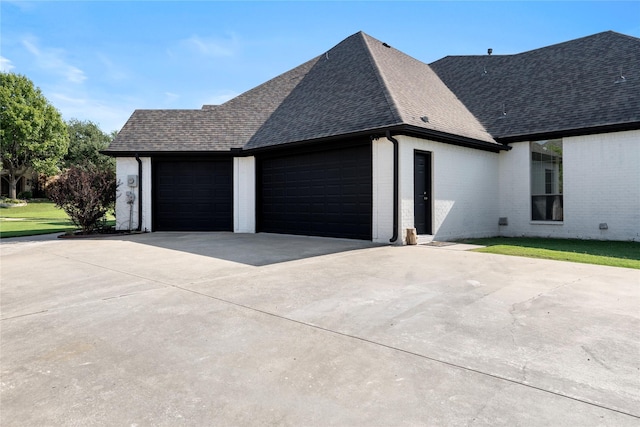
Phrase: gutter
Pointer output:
(400, 129)
(620, 127)
(139, 193)
(446, 138)
(396, 185)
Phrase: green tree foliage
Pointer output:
(85, 142)
(32, 132)
(86, 194)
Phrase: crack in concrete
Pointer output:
(24, 315)
(119, 296)
(522, 382)
(474, 419)
(595, 358)
(422, 356)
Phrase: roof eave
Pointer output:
(359, 135)
(448, 138)
(156, 153)
(398, 129)
(539, 136)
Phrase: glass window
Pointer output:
(546, 180)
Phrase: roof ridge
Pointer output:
(582, 76)
(393, 107)
(572, 41)
(622, 35)
(295, 73)
(418, 97)
(526, 52)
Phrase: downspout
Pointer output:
(139, 193)
(396, 184)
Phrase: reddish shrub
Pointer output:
(86, 194)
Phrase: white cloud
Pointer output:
(111, 70)
(68, 99)
(220, 98)
(109, 116)
(53, 60)
(214, 47)
(6, 65)
(24, 6)
(75, 75)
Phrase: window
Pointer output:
(546, 180)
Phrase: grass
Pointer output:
(42, 217)
(38, 217)
(610, 253)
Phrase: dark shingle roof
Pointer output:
(360, 85)
(212, 128)
(363, 85)
(416, 92)
(555, 89)
(341, 94)
(166, 130)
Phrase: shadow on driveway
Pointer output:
(251, 249)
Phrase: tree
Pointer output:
(32, 132)
(86, 194)
(85, 142)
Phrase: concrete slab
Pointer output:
(217, 328)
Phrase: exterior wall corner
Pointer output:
(244, 194)
(382, 189)
(127, 206)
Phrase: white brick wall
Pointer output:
(127, 215)
(515, 194)
(601, 184)
(382, 184)
(244, 194)
(471, 190)
(465, 191)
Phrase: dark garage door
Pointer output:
(326, 193)
(193, 195)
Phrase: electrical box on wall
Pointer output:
(132, 180)
(130, 197)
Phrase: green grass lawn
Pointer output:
(38, 217)
(41, 217)
(614, 254)
(35, 218)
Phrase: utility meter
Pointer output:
(130, 197)
(132, 180)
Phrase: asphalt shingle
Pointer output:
(341, 94)
(420, 97)
(555, 89)
(359, 85)
(363, 85)
(213, 128)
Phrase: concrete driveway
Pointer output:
(230, 329)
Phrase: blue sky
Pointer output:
(100, 60)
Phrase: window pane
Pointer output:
(546, 180)
(546, 208)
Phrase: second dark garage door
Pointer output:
(324, 193)
(193, 195)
